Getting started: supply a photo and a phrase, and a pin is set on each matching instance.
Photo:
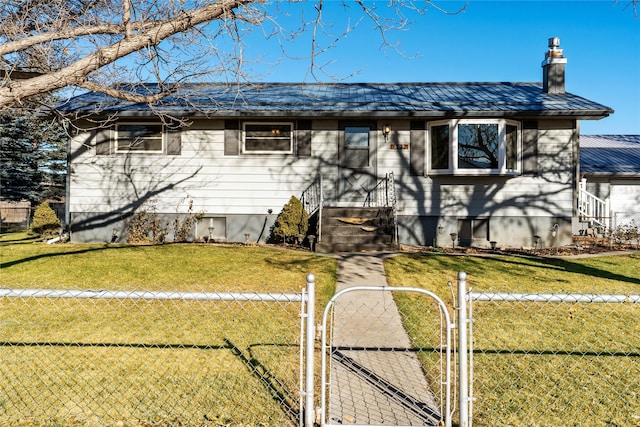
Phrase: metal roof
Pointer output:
(349, 99)
(610, 154)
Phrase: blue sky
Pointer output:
(489, 41)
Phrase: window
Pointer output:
(473, 231)
(139, 137)
(356, 146)
(440, 147)
(478, 146)
(474, 147)
(268, 138)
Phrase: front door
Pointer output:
(357, 163)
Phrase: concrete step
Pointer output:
(328, 248)
(386, 239)
(356, 229)
(363, 212)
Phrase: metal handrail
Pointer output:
(312, 199)
(384, 194)
(394, 205)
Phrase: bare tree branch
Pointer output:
(75, 74)
(125, 95)
(47, 45)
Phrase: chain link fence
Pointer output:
(554, 359)
(136, 358)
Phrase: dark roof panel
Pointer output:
(392, 99)
(610, 154)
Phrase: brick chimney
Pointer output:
(553, 68)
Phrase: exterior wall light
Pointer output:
(386, 130)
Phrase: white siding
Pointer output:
(222, 185)
(243, 184)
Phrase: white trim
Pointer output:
(163, 139)
(453, 158)
(244, 134)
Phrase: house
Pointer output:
(610, 182)
(376, 165)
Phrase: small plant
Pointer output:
(291, 222)
(45, 221)
(145, 226)
(628, 232)
(182, 229)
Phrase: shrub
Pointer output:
(293, 220)
(182, 229)
(45, 221)
(626, 232)
(144, 226)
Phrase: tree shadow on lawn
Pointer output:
(70, 251)
(273, 384)
(276, 387)
(577, 268)
(505, 264)
(19, 241)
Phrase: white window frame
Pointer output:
(244, 135)
(454, 169)
(116, 139)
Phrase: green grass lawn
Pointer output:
(130, 362)
(213, 364)
(542, 364)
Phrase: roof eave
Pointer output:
(427, 114)
(633, 175)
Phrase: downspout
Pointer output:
(575, 142)
(67, 185)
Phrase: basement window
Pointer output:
(267, 138)
(474, 147)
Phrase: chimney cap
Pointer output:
(554, 42)
(554, 54)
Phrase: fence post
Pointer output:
(463, 353)
(309, 410)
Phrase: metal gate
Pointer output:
(386, 358)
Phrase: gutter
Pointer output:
(426, 114)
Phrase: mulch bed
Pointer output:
(581, 246)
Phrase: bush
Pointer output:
(145, 227)
(627, 232)
(45, 221)
(293, 220)
(182, 229)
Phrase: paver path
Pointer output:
(375, 376)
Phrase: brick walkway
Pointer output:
(376, 378)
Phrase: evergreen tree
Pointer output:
(32, 156)
(293, 220)
(45, 221)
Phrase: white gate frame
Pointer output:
(449, 327)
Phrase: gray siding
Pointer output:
(517, 207)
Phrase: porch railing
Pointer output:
(384, 195)
(312, 199)
(592, 209)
